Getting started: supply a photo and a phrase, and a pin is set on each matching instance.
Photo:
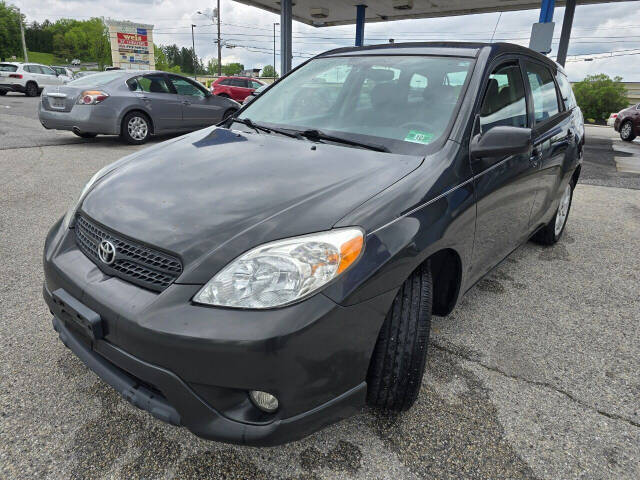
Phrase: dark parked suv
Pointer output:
(261, 279)
(627, 123)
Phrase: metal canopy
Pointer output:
(327, 13)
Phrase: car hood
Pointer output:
(216, 193)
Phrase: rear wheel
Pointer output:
(85, 134)
(397, 365)
(136, 128)
(626, 131)
(2, 93)
(552, 231)
(31, 90)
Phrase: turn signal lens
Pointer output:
(91, 97)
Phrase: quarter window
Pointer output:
(566, 91)
(504, 101)
(543, 90)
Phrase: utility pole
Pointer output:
(193, 52)
(219, 42)
(24, 45)
(274, 48)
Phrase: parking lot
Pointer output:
(534, 375)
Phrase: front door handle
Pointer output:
(186, 102)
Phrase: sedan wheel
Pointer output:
(32, 90)
(136, 128)
(626, 131)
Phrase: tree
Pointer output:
(599, 95)
(232, 69)
(269, 71)
(212, 67)
(10, 42)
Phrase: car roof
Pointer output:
(461, 49)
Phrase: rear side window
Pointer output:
(543, 90)
(238, 82)
(226, 81)
(565, 90)
(153, 84)
(31, 69)
(504, 101)
(7, 67)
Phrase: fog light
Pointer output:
(264, 401)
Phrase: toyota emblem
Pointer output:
(107, 252)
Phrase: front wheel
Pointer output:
(135, 128)
(228, 113)
(626, 131)
(397, 365)
(552, 231)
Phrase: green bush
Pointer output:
(598, 96)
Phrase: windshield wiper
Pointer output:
(250, 124)
(258, 127)
(314, 134)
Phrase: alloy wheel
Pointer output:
(138, 128)
(563, 210)
(626, 130)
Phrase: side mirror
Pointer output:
(501, 141)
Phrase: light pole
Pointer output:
(193, 52)
(274, 49)
(216, 16)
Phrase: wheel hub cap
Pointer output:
(137, 128)
(563, 210)
(626, 130)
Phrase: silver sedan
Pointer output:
(132, 104)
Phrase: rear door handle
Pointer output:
(186, 102)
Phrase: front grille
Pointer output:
(133, 262)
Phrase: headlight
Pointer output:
(282, 272)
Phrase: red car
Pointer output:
(627, 123)
(237, 88)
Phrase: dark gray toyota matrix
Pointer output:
(259, 280)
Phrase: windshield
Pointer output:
(400, 98)
(95, 79)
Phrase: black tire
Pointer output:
(125, 132)
(86, 134)
(628, 135)
(548, 235)
(3, 93)
(228, 113)
(398, 361)
(31, 89)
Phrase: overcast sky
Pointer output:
(597, 30)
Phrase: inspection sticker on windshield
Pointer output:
(418, 137)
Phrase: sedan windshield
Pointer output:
(393, 97)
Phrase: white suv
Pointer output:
(28, 78)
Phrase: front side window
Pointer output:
(504, 99)
(185, 87)
(402, 98)
(255, 84)
(543, 90)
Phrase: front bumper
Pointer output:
(99, 118)
(201, 362)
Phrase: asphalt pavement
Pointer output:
(534, 375)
